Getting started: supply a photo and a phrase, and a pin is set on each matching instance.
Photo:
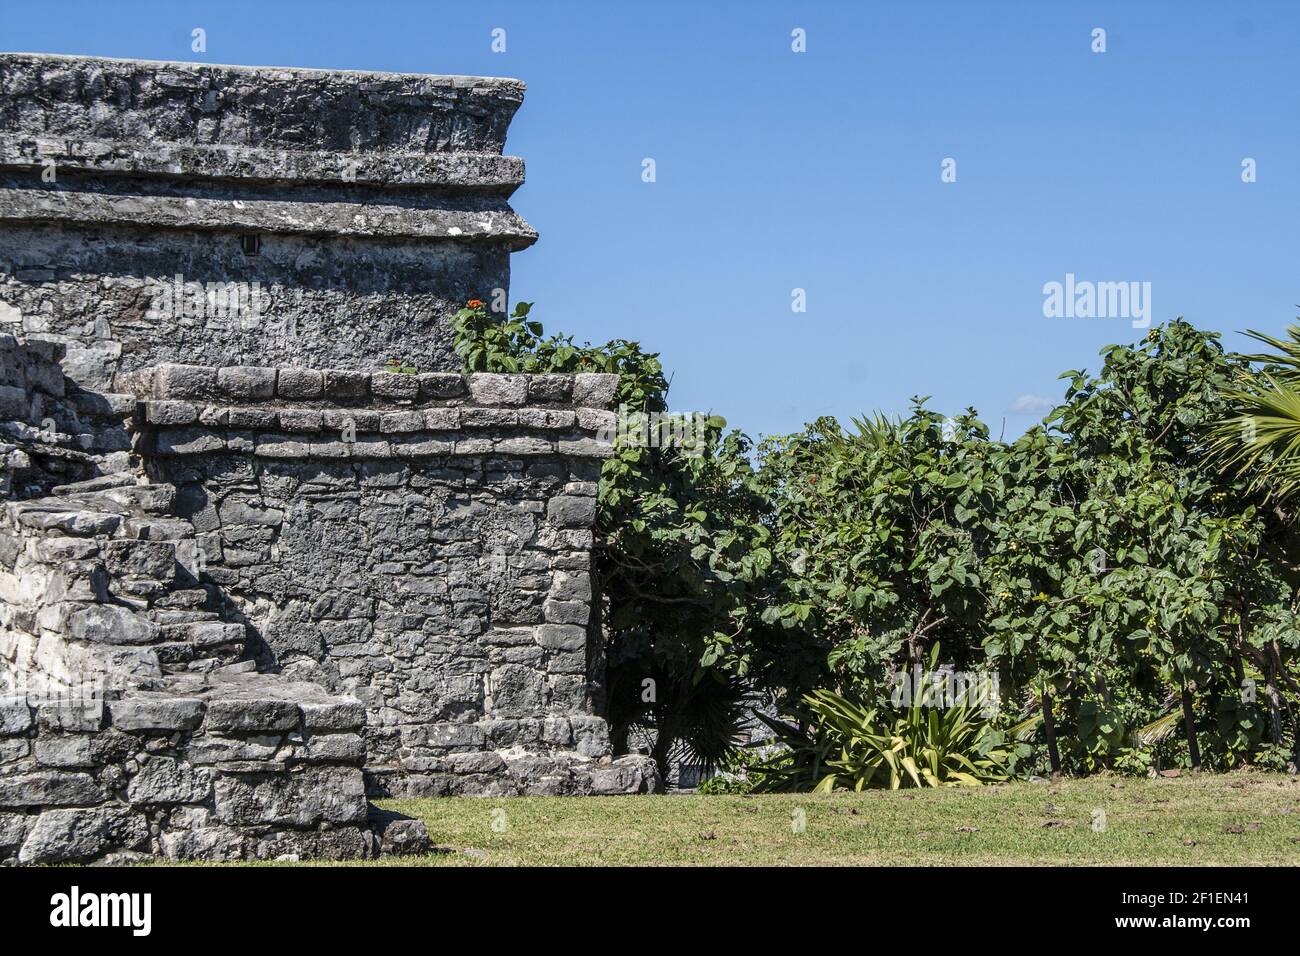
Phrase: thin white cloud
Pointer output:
(1030, 405)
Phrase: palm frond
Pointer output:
(1263, 439)
(1157, 730)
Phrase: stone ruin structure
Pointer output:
(248, 576)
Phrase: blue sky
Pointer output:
(778, 170)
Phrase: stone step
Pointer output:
(209, 665)
(70, 521)
(157, 529)
(183, 599)
(205, 634)
(167, 615)
(100, 483)
(151, 499)
(174, 655)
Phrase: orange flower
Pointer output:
(475, 303)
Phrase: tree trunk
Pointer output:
(1274, 698)
(660, 753)
(1189, 725)
(1049, 730)
(1103, 688)
(1237, 668)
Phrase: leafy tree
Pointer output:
(882, 530)
(1182, 539)
(1101, 563)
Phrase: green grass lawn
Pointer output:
(1226, 819)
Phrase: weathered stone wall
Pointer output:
(217, 767)
(101, 581)
(349, 307)
(51, 430)
(421, 542)
(378, 202)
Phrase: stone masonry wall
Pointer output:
(435, 564)
(350, 308)
(217, 767)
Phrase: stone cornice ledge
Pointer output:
(463, 172)
(499, 224)
(273, 107)
(324, 413)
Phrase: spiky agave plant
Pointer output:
(847, 745)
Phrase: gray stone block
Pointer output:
(585, 447)
(251, 716)
(246, 382)
(568, 511)
(562, 637)
(338, 714)
(15, 715)
(567, 611)
(79, 714)
(149, 559)
(435, 385)
(598, 420)
(14, 828)
(209, 844)
(135, 714)
(442, 419)
(498, 389)
(111, 624)
(341, 383)
(251, 418)
(64, 751)
(301, 419)
(172, 380)
(300, 383)
(163, 780)
(550, 389)
(50, 788)
(210, 749)
(394, 385)
(79, 836)
(493, 418)
(571, 586)
(402, 421)
(626, 775)
(516, 691)
(594, 389)
(15, 403)
(304, 799)
(187, 441)
(335, 748)
(170, 412)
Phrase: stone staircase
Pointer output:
(130, 722)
